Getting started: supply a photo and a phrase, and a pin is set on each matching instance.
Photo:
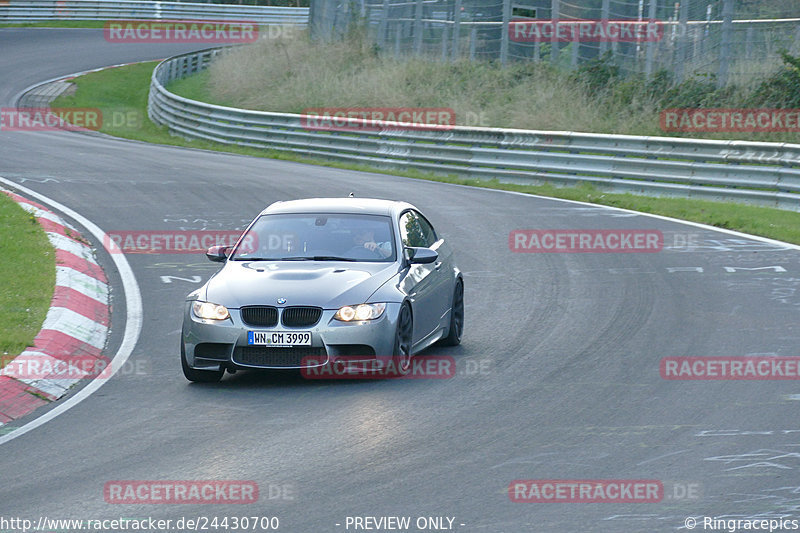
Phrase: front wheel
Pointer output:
(456, 317)
(401, 355)
(198, 376)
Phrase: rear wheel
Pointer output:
(456, 317)
(401, 355)
(198, 376)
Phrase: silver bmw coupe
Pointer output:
(313, 280)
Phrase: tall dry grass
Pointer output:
(291, 74)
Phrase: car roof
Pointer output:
(365, 206)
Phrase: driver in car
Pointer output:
(366, 238)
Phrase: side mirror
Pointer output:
(420, 255)
(218, 254)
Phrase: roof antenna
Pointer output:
(352, 195)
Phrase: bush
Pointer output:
(782, 89)
(597, 74)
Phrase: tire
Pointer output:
(456, 317)
(198, 376)
(403, 339)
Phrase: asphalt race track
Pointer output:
(558, 374)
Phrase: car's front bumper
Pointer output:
(217, 344)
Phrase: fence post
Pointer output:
(651, 44)
(456, 29)
(576, 43)
(398, 35)
(473, 36)
(383, 26)
(554, 16)
(795, 46)
(330, 15)
(706, 30)
(698, 42)
(683, 39)
(748, 45)
(604, 17)
(504, 34)
(725, 43)
(313, 20)
(639, 17)
(418, 28)
(444, 42)
(341, 20)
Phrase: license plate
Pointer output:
(279, 338)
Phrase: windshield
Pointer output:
(318, 237)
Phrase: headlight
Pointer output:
(359, 312)
(210, 311)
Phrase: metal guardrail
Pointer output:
(759, 173)
(48, 10)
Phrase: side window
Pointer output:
(410, 230)
(427, 230)
(415, 230)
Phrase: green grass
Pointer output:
(57, 24)
(28, 272)
(196, 88)
(126, 88)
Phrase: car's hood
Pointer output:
(325, 284)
